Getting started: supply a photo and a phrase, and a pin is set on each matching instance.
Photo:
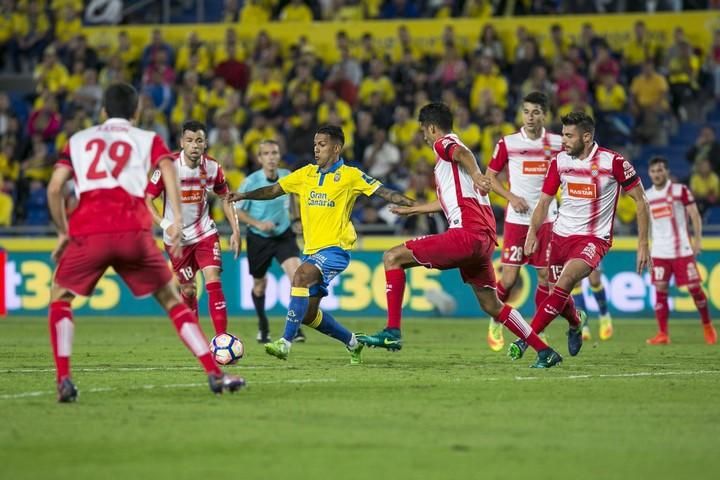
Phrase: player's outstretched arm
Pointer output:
(518, 203)
(393, 196)
(232, 218)
(172, 196)
(56, 203)
(643, 220)
(696, 222)
(418, 208)
(264, 193)
(467, 160)
(536, 221)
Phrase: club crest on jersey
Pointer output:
(336, 178)
(594, 170)
(155, 177)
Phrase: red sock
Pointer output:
(541, 294)
(62, 328)
(191, 302)
(192, 336)
(394, 289)
(514, 322)
(700, 302)
(662, 310)
(549, 309)
(217, 306)
(501, 292)
(569, 313)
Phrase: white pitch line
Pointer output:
(12, 396)
(623, 375)
(130, 369)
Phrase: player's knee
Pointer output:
(302, 278)
(189, 290)
(259, 286)
(391, 258)
(542, 276)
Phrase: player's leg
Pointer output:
(686, 274)
(290, 265)
(208, 258)
(79, 268)
(395, 261)
(216, 299)
(258, 298)
(598, 290)
(185, 269)
(508, 278)
(661, 274)
(188, 293)
(505, 315)
(325, 323)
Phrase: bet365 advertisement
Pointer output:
(359, 291)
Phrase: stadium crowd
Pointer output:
(250, 91)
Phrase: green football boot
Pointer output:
(355, 353)
(547, 358)
(388, 338)
(280, 348)
(517, 349)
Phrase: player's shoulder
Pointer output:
(554, 138)
(606, 153)
(211, 161)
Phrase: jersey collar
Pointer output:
(525, 137)
(334, 167)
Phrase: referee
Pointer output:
(270, 231)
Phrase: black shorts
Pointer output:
(261, 251)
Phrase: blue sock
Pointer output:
(579, 298)
(299, 301)
(601, 299)
(325, 323)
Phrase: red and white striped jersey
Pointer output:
(527, 162)
(590, 191)
(195, 184)
(669, 221)
(110, 163)
(463, 205)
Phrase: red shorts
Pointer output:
(684, 269)
(514, 245)
(589, 249)
(133, 255)
(205, 253)
(470, 252)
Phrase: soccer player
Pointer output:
(199, 174)
(270, 231)
(590, 178)
(598, 291)
(111, 227)
(467, 245)
(526, 155)
(673, 253)
(327, 192)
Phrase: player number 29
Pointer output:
(118, 152)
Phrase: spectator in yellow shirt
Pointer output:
(50, 74)
(649, 90)
(304, 81)
(330, 102)
(254, 13)
(418, 153)
(32, 33)
(227, 151)
(638, 50)
(466, 130)
(193, 46)
(705, 185)
(404, 128)
(489, 87)
(683, 69)
(493, 132)
(219, 94)
(377, 82)
(264, 92)
(261, 129)
(67, 25)
(404, 43)
(296, 11)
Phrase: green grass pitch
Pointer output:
(445, 407)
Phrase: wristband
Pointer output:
(165, 223)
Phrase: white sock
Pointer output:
(352, 343)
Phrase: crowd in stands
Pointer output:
(247, 91)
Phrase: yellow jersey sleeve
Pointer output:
(294, 182)
(363, 183)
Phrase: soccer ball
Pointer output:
(226, 348)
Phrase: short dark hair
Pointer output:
(193, 126)
(658, 159)
(334, 132)
(581, 120)
(438, 114)
(120, 101)
(537, 98)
